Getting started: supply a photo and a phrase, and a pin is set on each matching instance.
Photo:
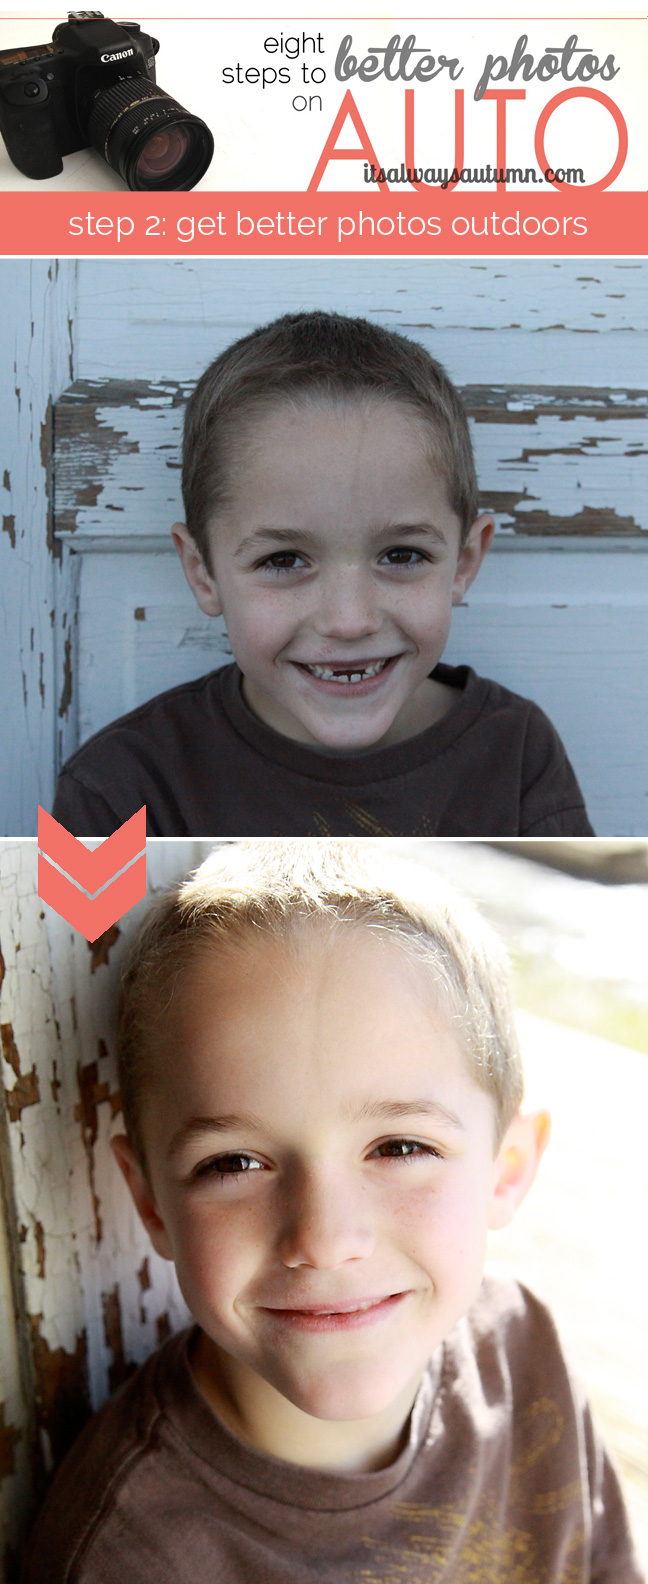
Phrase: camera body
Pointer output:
(94, 85)
(47, 91)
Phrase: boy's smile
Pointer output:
(336, 561)
(322, 1173)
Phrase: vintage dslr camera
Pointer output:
(95, 85)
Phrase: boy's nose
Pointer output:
(324, 1227)
(348, 605)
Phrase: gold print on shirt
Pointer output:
(359, 822)
(463, 1551)
(540, 1430)
(444, 1545)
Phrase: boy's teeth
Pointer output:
(327, 674)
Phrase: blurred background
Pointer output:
(578, 935)
(83, 1299)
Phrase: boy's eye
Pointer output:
(233, 1165)
(405, 1149)
(402, 555)
(283, 561)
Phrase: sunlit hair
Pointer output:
(279, 888)
(315, 356)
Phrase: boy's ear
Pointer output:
(516, 1164)
(200, 580)
(472, 555)
(144, 1203)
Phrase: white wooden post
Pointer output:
(83, 1298)
(38, 622)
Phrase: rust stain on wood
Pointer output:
(101, 947)
(62, 1396)
(144, 1280)
(92, 1094)
(47, 457)
(525, 404)
(40, 1248)
(580, 448)
(9, 1047)
(9, 1435)
(591, 521)
(9, 527)
(66, 692)
(119, 1370)
(163, 1328)
(24, 1093)
(77, 429)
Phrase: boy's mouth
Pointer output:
(351, 674)
(349, 1316)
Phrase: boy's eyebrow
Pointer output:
(197, 1126)
(375, 1109)
(291, 535)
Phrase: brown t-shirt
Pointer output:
(502, 1481)
(205, 766)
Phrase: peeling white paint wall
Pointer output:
(88, 1298)
(554, 321)
(36, 363)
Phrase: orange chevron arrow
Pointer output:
(108, 882)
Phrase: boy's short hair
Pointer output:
(317, 355)
(254, 888)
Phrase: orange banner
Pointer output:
(334, 223)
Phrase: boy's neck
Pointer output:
(428, 704)
(258, 1414)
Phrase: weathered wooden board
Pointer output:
(89, 1297)
(37, 608)
(17, 1422)
(550, 461)
(554, 321)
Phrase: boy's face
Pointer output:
(336, 565)
(321, 1170)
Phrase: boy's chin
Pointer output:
(347, 1397)
(350, 730)
(347, 727)
(349, 738)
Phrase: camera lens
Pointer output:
(148, 138)
(162, 154)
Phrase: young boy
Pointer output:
(332, 517)
(321, 1089)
